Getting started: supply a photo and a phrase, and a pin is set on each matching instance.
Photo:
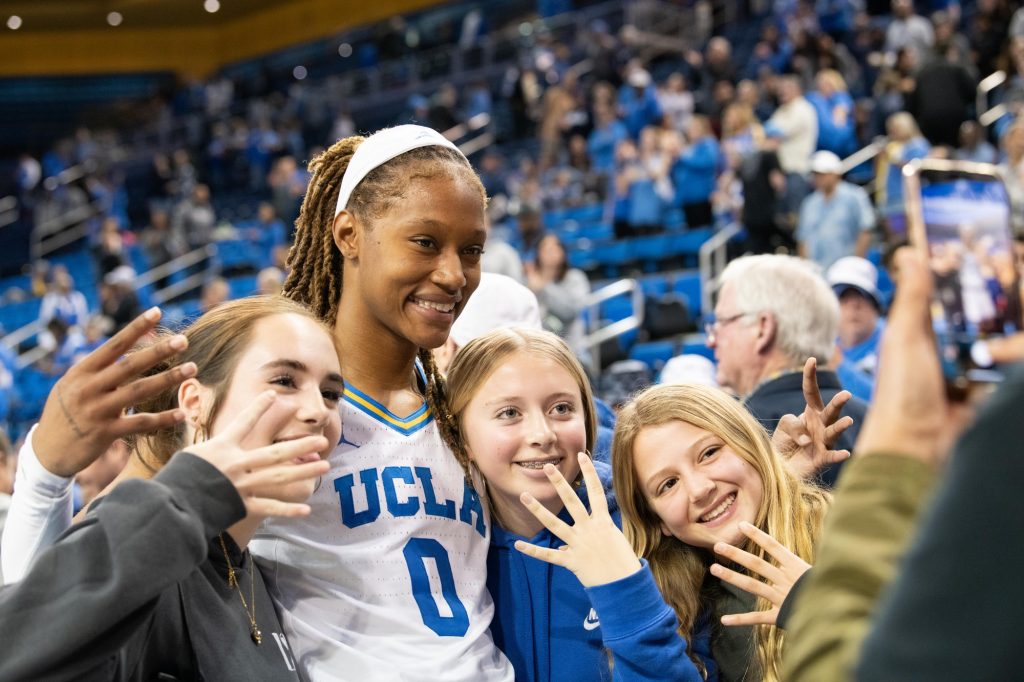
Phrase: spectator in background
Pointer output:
(269, 230)
(287, 186)
(101, 473)
(896, 83)
(763, 186)
(160, 242)
(194, 218)
(39, 278)
(97, 331)
(834, 107)
(905, 144)
(214, 292)
(530, 231)
(942, 99)
(908, 30)
(676, 102)
(604, 139)
(501, 258)
(62, 344)
(63, 301)
(973, 145)
(638, 102)
(795, 124)
(269, 281)
(693, 173)
(647, 182)
(560, 290)
(773, 313)
(118, 299)
(855, 281)
(837, 219)
(109, 250)
(560, 103)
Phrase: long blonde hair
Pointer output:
(792, 510)
(477, 360)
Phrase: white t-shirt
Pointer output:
(386, 579)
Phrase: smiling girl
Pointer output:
(160, 567)
(696, 475)
(525, 414)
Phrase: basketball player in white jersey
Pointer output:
(386, 579)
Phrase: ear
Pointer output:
(767, 328)
(192, 400)
(345, 235)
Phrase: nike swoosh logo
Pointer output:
(591, 622)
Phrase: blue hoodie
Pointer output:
(553, 629)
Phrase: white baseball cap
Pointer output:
(498, 302)
(853, 272)
(826, 162)
(688, 369)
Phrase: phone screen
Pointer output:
(966, 220)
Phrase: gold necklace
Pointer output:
(254, 630)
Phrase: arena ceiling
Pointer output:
(77, 15)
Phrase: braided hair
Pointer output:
(315, 263)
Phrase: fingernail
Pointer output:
(584, 457)
(179, 415)
(803, 440)
(189, 369)
(178, 342)
(153, 314)
(715, 568)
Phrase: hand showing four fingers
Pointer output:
(595, 549)
(85, 411)
(776, 581)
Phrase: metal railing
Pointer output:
(989, 115)
(711, 260)
(597, 334)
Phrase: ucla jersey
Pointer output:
(386, 579)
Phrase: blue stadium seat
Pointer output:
(239, 254)
(653, 353)
(615, 309)
(242, 286)
(650, 250)
(688, 286)
(16, 315)
(654, 286)
(697, 348)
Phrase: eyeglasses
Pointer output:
(711, 329)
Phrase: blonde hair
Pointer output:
(834, 79)
(477, 361)
(791, 511)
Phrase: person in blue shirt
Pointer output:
(693, 173)
(855, 282)
(589, 608)
(834, 106)
(837, 219)
(905, 144)
(604, 138)
(638, 101)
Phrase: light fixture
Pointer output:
(211, 6)
(345, 50)
(14, 22)
(115, 18)
(299, 72)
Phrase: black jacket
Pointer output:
(138, 591)
(785, 395)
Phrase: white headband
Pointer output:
(380, 148)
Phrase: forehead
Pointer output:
(662, 444)
(447, 198)
(290, 335)
(529, 374)
(726, 298)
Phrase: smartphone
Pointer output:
(958, 215)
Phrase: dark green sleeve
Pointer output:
(86, 596)
(877, 504)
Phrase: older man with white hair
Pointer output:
(773, 313)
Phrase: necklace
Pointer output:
(254, 630)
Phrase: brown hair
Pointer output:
(215, 343)
(479, 358)
(791, 511)
(314, 261)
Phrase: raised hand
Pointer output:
(85, 411)
(595, 549)
(805, 442)
(272, 480)
(777, 580)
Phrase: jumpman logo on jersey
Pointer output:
(591, 622)
(346, 441)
